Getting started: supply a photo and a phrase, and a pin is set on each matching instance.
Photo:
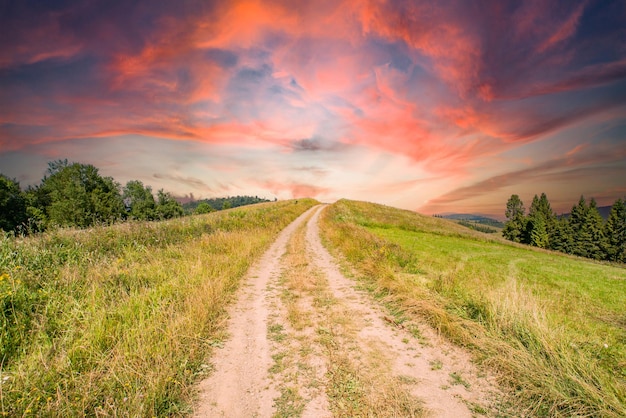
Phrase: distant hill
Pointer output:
(218, 203)
(480, 219)
(604, 212)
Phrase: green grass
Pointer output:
(119, 320)
(552, 327)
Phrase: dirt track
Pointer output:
(303, 342)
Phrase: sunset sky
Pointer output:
(434, 106)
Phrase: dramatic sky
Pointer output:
(434, 106)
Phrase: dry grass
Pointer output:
(119, 321)
(547, 324)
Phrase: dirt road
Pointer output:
(303, 341)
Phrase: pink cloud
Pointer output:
(293, 189)
(564, 30)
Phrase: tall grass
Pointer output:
(553, 327)
(119, 320)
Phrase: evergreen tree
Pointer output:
(539, 234)
(541, 222)
(615, 232)
(13, 215)
(515, 226)
(595, 227)
(562, 238)
(588, 230)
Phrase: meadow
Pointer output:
(120, 320)
(551, 326)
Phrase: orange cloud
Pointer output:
(293, 189)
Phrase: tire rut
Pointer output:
(304, 342)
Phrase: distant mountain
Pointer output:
(480, 219)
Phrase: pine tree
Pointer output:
(562, 238)
(595, 226)
(615, 232)
(576, 223)
(539, 234)
(541, 222)
(588, 230)
(515, 226)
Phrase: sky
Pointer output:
(433, 106)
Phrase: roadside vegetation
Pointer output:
(551, 326)
(119, 320)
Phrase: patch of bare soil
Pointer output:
(240, 385)
(304, 342)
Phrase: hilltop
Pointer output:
(129, 318)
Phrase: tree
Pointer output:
(13, 213)
(539, 234)
(562, 237)
(594, 224)
(226, 205)
(541, 222)
(615, 232)
(76, 195)
(139, 201)
(515, 226)
(168, 207)
(587, 229)
(203, 207)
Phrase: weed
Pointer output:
(275, 332)
(289, 404)
(436, 365)
(457, 379)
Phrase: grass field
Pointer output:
(552, 327)
(118, 321)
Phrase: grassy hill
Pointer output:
(552, 327)
(117, 321)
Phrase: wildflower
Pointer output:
(606, 345)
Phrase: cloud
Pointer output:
(315, 144)
(192, 182)
(572, 168)
(452, 86)
(293, 189)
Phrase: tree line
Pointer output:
(76, 195)
(584, 232)
(218, 203)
